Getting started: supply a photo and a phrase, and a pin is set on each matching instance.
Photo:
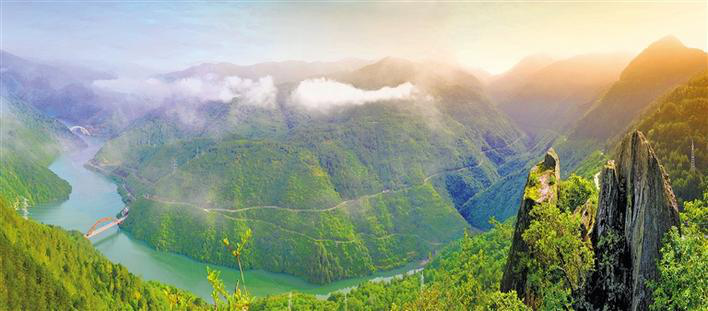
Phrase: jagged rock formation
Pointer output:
(636, 207)
(541, 187)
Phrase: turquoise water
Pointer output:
(94, 196)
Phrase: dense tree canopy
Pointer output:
(675, 124)
(683, 268)
(46, 268)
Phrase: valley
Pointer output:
(326, 188)
(249, 157)
(94, 196)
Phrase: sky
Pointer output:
(147, 37)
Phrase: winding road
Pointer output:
(224, 212)
(295, 210)
(300, 210)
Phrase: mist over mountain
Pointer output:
(503, 85)
(555, 96)
(359, 147)
(55, 76)
(337, 170)
(68, 93)
(282, 72)
(663, 65)
(49, 88)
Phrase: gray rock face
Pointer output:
(539, 189)
(636, 207)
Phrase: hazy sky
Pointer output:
(154, 36)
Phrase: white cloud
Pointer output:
(261, 92)
(323, 94)
(256, 93)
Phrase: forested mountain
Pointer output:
(544, 98)
(656, 70)
(328, 171)
(46, 268)
(68, 93)
(355, 188)
(465, 275)
(56, 92)
(677, 127)
(554, 97)
(29, 142)
(353, 155)
(571, 247)
(582, 154)
(661, 66)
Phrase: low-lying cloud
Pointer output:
(261, 92)
(323, 94)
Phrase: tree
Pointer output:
(559, 259)
(239, 299)
(683, 267)
(574, 192)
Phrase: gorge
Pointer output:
(341, 157)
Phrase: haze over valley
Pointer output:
(349, 161)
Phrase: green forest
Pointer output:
(366, 189)
(254, 157)
(360, 237)
(675, 124)
(466, 274)
(30, 143)
(46, 268)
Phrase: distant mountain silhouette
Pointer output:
(661, 66)
(558, 94)
(282, 72)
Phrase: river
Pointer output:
(94, 196)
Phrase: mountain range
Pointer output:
(339, 185)
(344, 168)
(444, 137)
(660, 67)
(554, 97)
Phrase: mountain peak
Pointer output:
(668, 42)
(665, 59)
(389, 61)
(637, 204)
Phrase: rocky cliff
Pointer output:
(636, 207)
(541, 187)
